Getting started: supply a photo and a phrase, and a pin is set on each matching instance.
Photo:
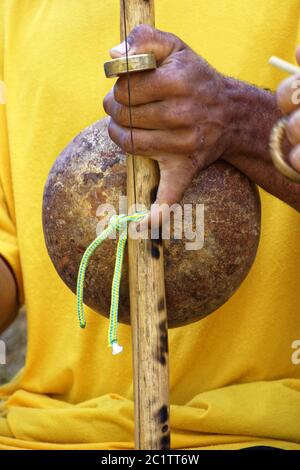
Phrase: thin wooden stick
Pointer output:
(284, 65)
(147, 291)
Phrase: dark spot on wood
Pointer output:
(163, 326)
(154, 249)
(165, 442)
(155, 244)
(163, 414)
(162, 359)
(153, 194)
(161, 304)
(163, 343)
(157, 236)
(165, 428)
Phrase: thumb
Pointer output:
(144, 39)
(174, 180)
(172, 183)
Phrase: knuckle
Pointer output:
(189, 112)
(142, 147)
(173, 39)
(118, 136)
(116, 112)
(179, 83)
(106, 103)
(125, 142)
(120, 116)
(172, 81)
(140, 32)
(180, 114)
(138, 116)
(172, 117)
(120, 92)
(167, 114)
(191, 143)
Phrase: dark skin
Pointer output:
(186, 115)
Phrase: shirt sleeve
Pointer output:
(9, 249)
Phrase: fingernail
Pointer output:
(121, 48)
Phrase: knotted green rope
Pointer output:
(117, 222)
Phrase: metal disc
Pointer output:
(136, 63)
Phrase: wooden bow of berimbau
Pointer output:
(146, 269)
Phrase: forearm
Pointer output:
(8, 296)
(254, 112)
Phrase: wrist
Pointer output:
(252, 113)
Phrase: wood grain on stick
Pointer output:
(147, 290)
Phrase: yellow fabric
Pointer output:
(233, 383)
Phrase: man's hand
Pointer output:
(285, 93)
(179, 111)
(186, 115)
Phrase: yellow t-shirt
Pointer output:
(235, 381)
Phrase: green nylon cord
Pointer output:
(117, 222)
